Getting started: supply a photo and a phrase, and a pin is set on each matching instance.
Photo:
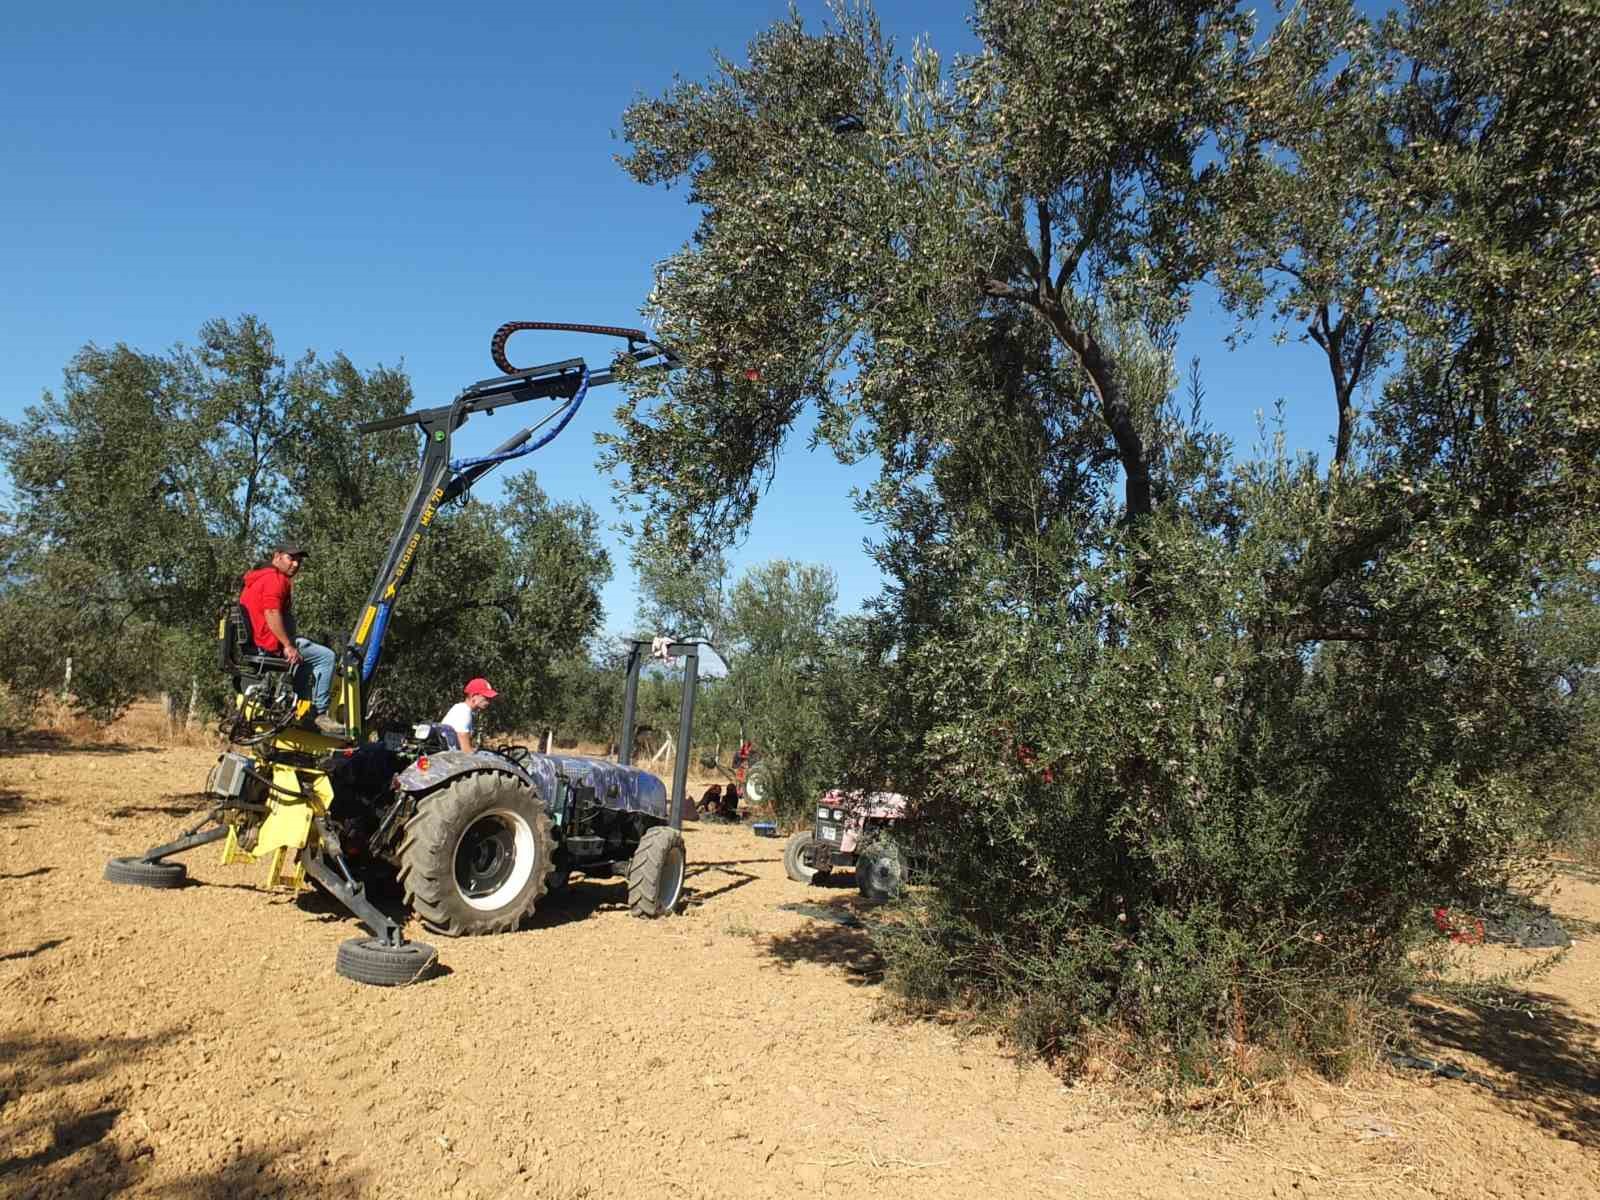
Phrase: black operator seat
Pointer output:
(237, 652)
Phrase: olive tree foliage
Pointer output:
(151, 482)
(1193, 735)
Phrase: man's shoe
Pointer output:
(329, 727)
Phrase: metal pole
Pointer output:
(680, 765)
(630, 701)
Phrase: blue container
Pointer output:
(765, 828)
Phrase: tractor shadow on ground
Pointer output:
(723, 877)
(50, 742)
(1544, 1046)
(12, 802)
(47, 944)
(185, 804)
(579, 900)
(835, 881)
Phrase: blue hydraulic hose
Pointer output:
(379, 625)
(573, 405)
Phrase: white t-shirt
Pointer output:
(461, 718)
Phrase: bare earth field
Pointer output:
(197, 1043)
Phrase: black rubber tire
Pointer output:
(367, 960)
(430, 854)
(881, 868)
(794, 863)
(136, 872)
(655, 872)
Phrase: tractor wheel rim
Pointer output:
(671, 879)
(494, 858)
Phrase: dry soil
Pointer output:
(197, 1043)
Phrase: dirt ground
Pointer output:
(197, 1043)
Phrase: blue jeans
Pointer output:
(314, 672)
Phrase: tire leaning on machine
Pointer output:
(655, 873)
(485, 821)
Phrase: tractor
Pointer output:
(470, 840)
(854, 831)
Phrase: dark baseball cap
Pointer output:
(290, 547)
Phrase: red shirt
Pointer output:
(266, 588)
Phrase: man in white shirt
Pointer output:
(463, 717)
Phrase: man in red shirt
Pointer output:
(268, 599)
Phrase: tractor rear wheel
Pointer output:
(140, 872)
(477, 856)
(655, 873)
(367, 960)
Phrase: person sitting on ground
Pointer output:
(267, 597)
(463, 716)
(710, 800)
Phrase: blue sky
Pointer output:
(394, 181)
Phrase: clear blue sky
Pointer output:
(394, 181)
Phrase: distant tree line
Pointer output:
(144, 488)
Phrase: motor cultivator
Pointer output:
(471, 841)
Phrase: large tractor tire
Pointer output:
(655, 873)
(799, 855)
(367, 960)
(139, 872)
(881, 868)
(477, 856)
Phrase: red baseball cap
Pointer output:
(480, 687)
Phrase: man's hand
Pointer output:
(290, 651)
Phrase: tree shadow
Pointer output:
(48, 741)
(63, 1137)
(47, 944)
(64, 1145)
(28, 874)
(829, 945)
(1545, 1048)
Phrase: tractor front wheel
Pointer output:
(800, 856)
(655, 872)
(477, 856)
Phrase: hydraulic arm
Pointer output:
(441, 479)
